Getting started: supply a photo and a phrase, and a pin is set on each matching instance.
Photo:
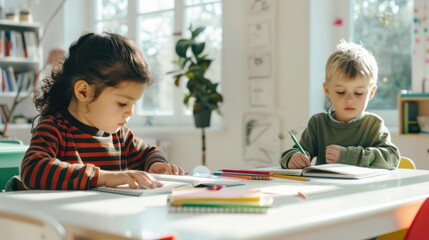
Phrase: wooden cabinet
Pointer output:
(20, 62)
(411, 105)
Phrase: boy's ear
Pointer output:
(325, 88)
(81, 90)
(372, 93)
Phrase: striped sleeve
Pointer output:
(42, 168)
(141, 156)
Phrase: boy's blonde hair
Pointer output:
(350, 61)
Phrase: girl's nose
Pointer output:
(130, 111)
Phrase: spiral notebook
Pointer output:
(217, 208)
(218, 201)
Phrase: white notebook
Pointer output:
(204, 181)
(124, 189)
(338, 170)
(170, 182)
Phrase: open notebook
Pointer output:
(171, 182)
(336, 170)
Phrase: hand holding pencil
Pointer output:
(299, 159)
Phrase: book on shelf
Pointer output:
(218, 201)
(335, 170)
(13, 82)
(410, 113)
(171, 182)
(19, 44)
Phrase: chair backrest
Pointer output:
(420, 225)
(405, 162)
(11, 154)
(19, 224)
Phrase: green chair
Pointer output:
(11, 154)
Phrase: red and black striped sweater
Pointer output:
(66, 154)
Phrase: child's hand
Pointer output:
(134, 179)
(332, 153)
(299, 160)
(166, 168)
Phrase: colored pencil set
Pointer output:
(256, 175)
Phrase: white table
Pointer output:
(342, 209)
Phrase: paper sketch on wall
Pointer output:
(261, 93)
(259, 34)
(262, 145)
(259, 66)
(258, 6)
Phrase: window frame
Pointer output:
(182, 116)
(390, 116)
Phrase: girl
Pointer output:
(81, 140)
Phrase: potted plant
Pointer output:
(202, 92)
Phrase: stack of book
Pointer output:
(411, 111)
(205, 200)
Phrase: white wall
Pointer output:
(305, 38)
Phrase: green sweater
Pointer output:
(364, 142)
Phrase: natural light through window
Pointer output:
(156, 26)
(385, 27)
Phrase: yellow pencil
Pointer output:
(292, 177)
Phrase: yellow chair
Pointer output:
(405, 163)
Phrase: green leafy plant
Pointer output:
(202, 92)
(193, 65)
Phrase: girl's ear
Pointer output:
(372, 93)
(82, 90)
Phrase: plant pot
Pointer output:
(202, 118)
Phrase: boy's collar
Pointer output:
(331, 113)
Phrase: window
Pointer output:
(156, 26)
(385, 28)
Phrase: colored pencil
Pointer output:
(297, 178)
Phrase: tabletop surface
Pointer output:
(331, 204)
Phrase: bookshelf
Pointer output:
(411, 105)
(20, 61)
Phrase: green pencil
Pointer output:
(297, 143)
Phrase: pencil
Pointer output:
(297, 178)
(297, 143)
(244, 176)
(235, 176)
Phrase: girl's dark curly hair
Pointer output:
(102, 60)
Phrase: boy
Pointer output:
(346, 133)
